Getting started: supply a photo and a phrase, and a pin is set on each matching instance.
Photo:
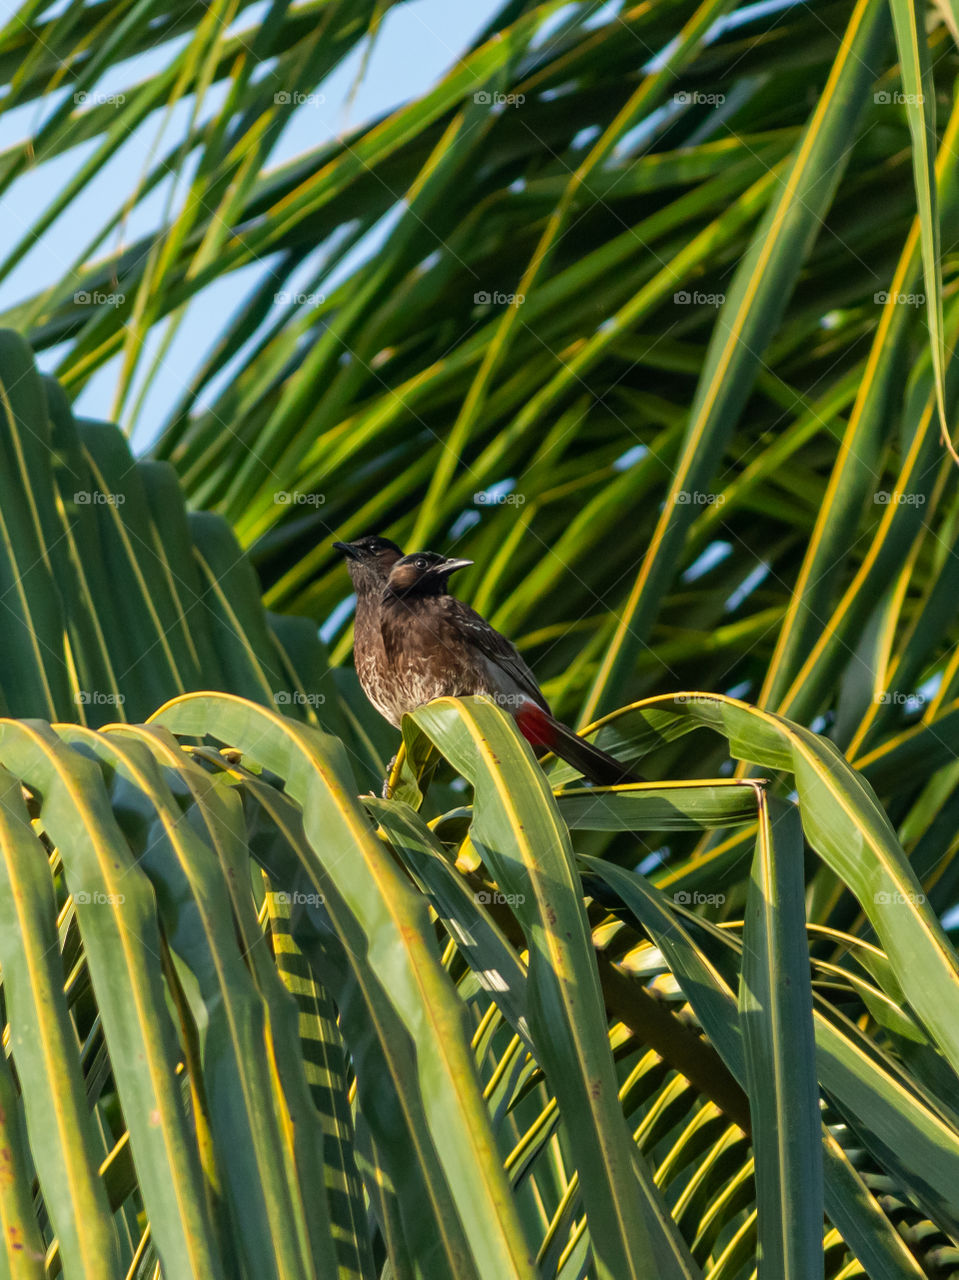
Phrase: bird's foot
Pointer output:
(387, 792)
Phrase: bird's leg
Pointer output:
(386, 793)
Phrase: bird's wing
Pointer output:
(476, 631)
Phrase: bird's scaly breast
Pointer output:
(425, 660)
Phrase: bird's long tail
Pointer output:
(543, 730)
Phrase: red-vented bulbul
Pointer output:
(369, 561)
(413, 642)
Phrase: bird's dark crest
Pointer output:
(423, 572)
(372, 544)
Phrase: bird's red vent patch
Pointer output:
(535, 725)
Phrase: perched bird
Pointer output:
(369, 561)
(415, 642)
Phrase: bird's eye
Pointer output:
(419, 563)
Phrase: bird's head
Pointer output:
(369, 560)
(425, 573)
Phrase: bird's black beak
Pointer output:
(450, 566)
(348, 550)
